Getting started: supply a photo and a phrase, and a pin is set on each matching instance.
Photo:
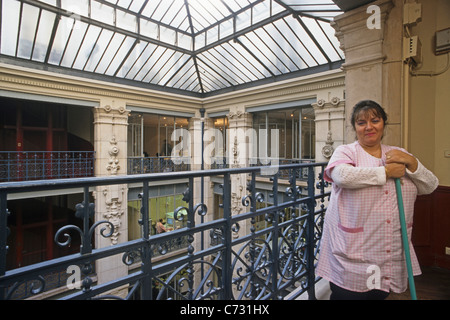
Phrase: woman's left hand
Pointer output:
(397, 156)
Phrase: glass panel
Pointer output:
(87, 48)
(274, 42)
(243, 20)
(27, 31)
(76, 37)
(126, 21)
(212, 35)
(61, 38)
(200, 40)
(259, 49)
(10, 18)
(308, 134)
(145, 71)
(140, 55)
(120, 55)
(295, 42)
(99, 48)
(161, 66)
(110, 52)
(260, 12)
(134, 215)
(102, 13)
(215, 61)
(287, 52)
(226, 29)
(149, 29)
(135, 135)
(183, 76)
(306, 40)
(43, 35)
(330, 31)
(166, 127)
(168, 35)
(173, 66)
(321, 38)
(251, 67)
(136, 5)
(79, 7)
(185, 41)
(172, 9)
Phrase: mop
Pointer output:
(412, 287)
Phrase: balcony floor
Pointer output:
(433, 284)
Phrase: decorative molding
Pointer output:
(327, 150)
(113, 163)
(235, 115)
(334, 103)
(114, 210)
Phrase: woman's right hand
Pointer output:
(395, 170)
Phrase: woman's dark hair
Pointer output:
(366, 106)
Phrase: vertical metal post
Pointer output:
(146, 288)
(227, 259)
(3, 238)
(310, 235)
(3, 233)
(275, 236)
(87, 244)
(202, 185)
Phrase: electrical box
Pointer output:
(412, 49)
(412, 13)
(443, 41)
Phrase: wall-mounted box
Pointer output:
(412, 49)
(443, 41)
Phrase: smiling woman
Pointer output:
(362, 230)
(369, 120)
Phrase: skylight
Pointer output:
(196, 47)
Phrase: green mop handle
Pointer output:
(401, 210)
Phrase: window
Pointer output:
(151, 135)
(295, 129)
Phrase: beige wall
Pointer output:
(429, 122)
(418, 107)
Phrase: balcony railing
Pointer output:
(140, 165)
(37, 165)
(226, 258)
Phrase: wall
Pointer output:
(429, 135)
(430, 96)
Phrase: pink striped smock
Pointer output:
(362, 234)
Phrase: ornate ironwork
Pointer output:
(266, 249)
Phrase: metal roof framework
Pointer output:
(192, 47)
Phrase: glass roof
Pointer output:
(195, 47)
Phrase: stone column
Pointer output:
(330, 127)
(110, 127)
(371, 40)
(239, 153)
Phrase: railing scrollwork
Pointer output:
(262, 244)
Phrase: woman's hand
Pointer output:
(395, 170)
(399, 157)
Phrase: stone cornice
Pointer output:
(45, 83)
(20, 79)
(281, 92)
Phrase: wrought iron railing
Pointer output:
(140, 165)
(238, 261)
(37, 165)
